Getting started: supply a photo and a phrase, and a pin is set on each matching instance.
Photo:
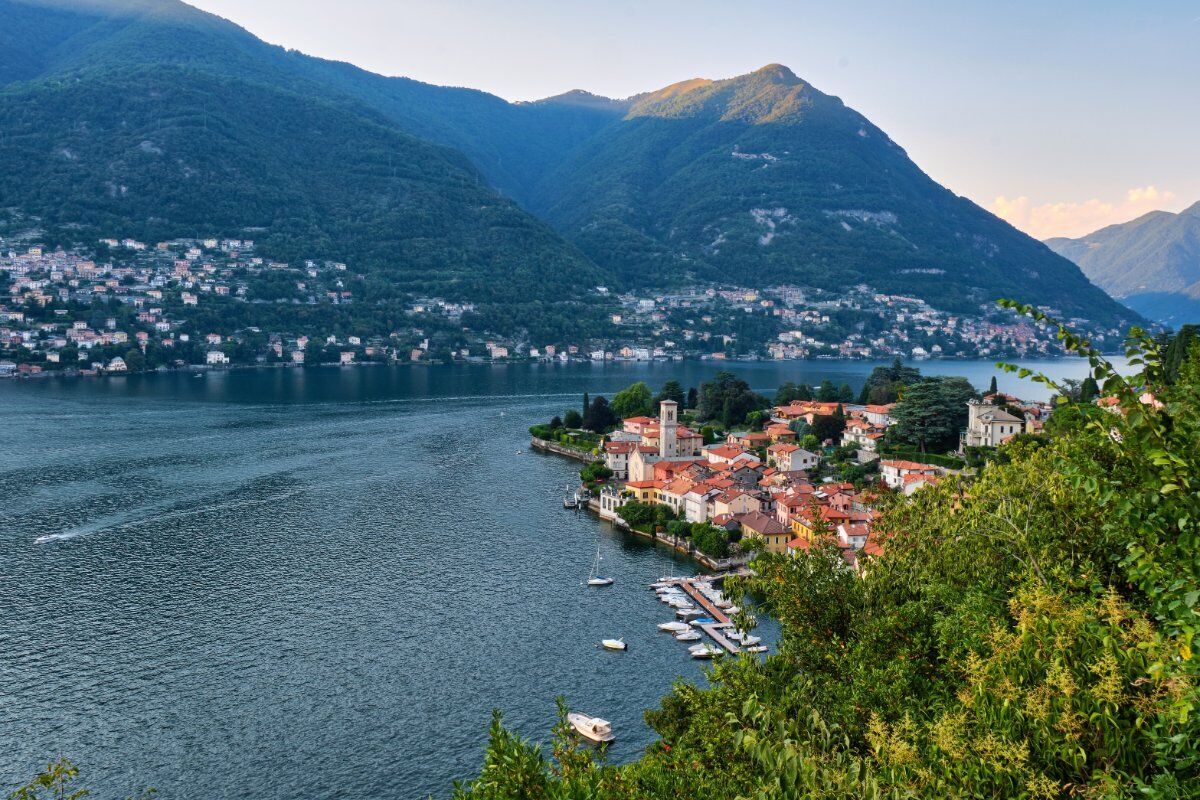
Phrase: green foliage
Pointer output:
(710, 540)
(827, 426)
(53, 783)
(931, 414)
(1027, 633)
(790, 391)
(1177, 351)
(633, 401)
(728, 399)
(572, 419)
(885, 384)
(595, 471)
(647, 517)
(599, 417)
(672, 390)
(827, 392)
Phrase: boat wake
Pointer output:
(170, 515)
(57, 537)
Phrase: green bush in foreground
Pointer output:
(1027, 634)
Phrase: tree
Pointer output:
(572, 419)
(804, 392)
(845, 393)
(671, 390)
(595, 471)
(992, 389)
(728, 399)
(632, 401)
(827, 392)
(885, 383)
(556, 423)
(600, 417)
(134, 360)
(586, 405)
(693, 398)
(828, 426)
(931, 414)
(53, 783)
(786, 393)
(1088, 390)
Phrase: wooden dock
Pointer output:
(722, 619)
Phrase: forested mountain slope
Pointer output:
(1152, 263)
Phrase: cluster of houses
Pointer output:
(729, 484)
(815, 323)
(762, 483)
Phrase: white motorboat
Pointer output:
(732, 611)
(688, 636)
(593, 729)
(684, 613)
(744, 638)
(674, 627)
(758, 648)
(704, 650)
(594, 578)
(612, 644)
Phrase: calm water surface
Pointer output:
(318, 583)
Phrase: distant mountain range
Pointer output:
(150, 118)
(1151, 263)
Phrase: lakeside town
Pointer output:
(130, 306)
(790, 474)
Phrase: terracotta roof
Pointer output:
(908, 465)
(761, 524)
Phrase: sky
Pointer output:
(1059, 116)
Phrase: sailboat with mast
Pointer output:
(594, 577)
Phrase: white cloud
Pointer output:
(1077, 219)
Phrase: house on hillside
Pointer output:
(894, 472)
(989, 426)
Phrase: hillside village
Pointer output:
(130, 306)
(763, 486)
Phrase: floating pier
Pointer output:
(721, 619)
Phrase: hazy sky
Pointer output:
(1059, 116)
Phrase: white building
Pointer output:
(216, 357)
(989, 426)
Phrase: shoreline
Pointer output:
(683, 547)
(207, 368)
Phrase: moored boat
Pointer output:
(688, 636)
(705, 650)
(674, 627)
(593, 729)
(613, 644)
(594, 578)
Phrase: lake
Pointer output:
(318, 583)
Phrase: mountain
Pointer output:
(1151, 263)
(169, 122)
(765, 179)
(154, 117)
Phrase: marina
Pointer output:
(697, 600)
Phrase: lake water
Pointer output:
(318, 583)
